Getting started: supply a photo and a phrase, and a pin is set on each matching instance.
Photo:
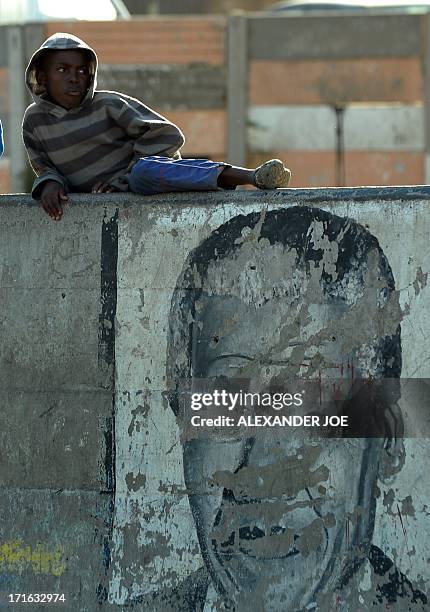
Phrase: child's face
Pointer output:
(65, 74)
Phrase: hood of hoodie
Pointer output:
(59, 42)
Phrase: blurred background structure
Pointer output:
(342, 97)
(189, 7)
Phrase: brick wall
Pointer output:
(4, 175)
(383, 85)
(177, 65)
(153, 40)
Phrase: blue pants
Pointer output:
(156, 174)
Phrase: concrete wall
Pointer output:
(94, 331)
(57, 402)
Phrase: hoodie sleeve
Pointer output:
(152, 133)
(40, 162)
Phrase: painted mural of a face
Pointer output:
(293, 294)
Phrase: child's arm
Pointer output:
(52, 199)
(152, 133)
(50, 187)
(43, 168)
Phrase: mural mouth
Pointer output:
(275, 543)
(257, 538)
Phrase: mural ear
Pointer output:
(392, 454)
(392, 458)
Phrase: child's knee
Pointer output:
(138, 180)
(132, 183)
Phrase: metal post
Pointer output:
(17, 104)
(237, 88)
(426, 101)
(340, 145)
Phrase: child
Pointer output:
(79, 139)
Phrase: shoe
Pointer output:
(272, 175)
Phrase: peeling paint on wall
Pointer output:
(16, 556)
(264, 293)
(278, 296)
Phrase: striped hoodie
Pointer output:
(99, 140)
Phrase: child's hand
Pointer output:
(100, 187)
(52, 198)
